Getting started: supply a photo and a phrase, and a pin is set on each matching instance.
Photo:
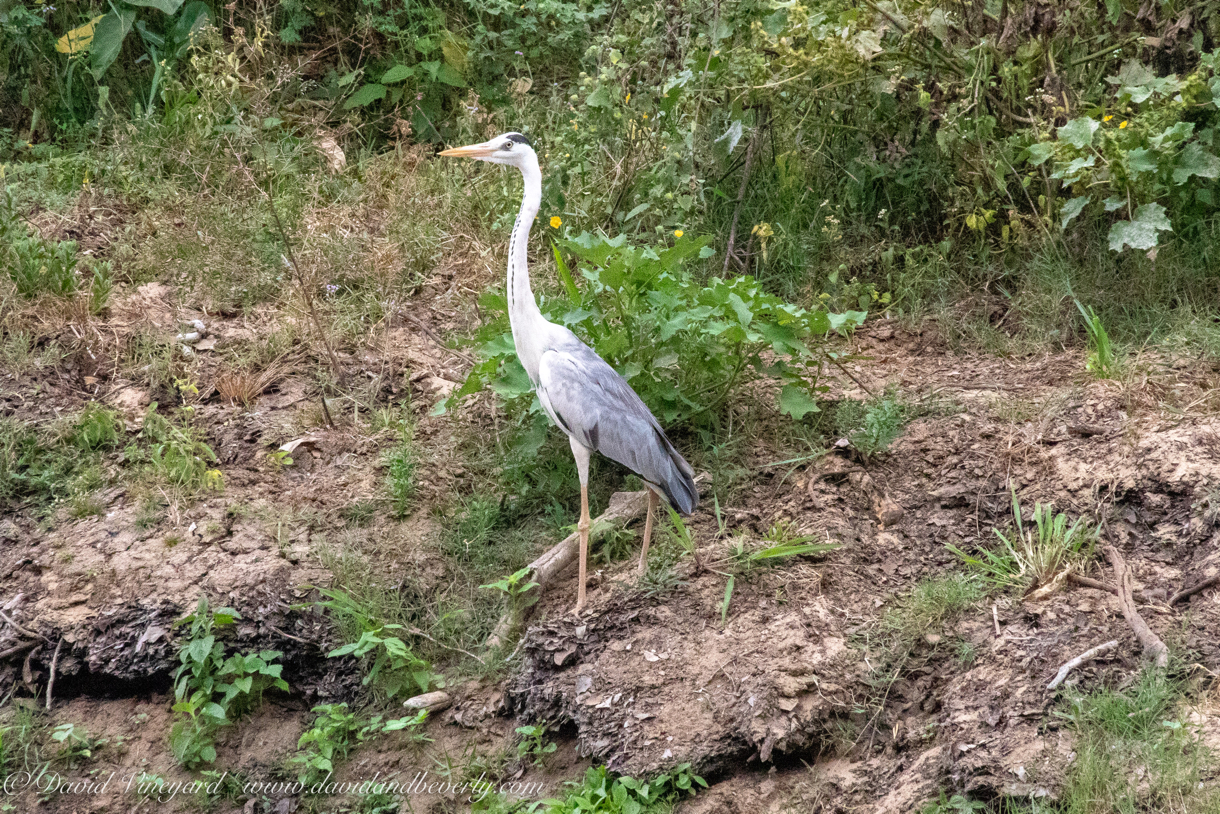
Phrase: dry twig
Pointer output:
(1186, 593)
(1071, 665)
(51, 676)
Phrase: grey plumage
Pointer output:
(593, 404)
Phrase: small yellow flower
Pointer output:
(677, 233)
(556, 222)
(1106, 118)
(627, 101)
(645, 115)
(1123, 125)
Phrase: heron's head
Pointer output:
(510, 148)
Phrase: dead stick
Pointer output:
(741, 191)
(51, 676)
(1186, 593)
(12, 651)
(1071, 665)
(1153, 646)
(995, 617)
(22, 630)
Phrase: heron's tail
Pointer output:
(677, 480)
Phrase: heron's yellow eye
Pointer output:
(508, 145)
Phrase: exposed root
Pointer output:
(1153, 646)
(1186, 593)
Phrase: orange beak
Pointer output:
(470, 151)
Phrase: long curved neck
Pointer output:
(528, 324)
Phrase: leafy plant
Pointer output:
(75, 743)
(335, 731)
(683, 346)
(1034, 559)
(390, 663)
(533, 744)
(1102, 361)
(600, 793)
(873, 426)
(743, 561)
(212, 690)
(401, 465)
(517, 586)
(178, 455)
(39, 267)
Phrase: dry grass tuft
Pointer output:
(244, 386)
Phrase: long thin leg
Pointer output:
(582, 454)
(583, 528)
(652, 508)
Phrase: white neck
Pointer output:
(528, 324)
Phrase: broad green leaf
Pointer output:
(1040, 152)
(167, 6)
(600, 97)
(194, 17)
(1071, 209)
(1070, 172)
(449, 75)
(1079, 132)
(200, 649)
(1140, 233)
(1141, 160)
(796, 402)
(566, 276)
(108, 38)
(366, 95)
(1172, 135)
(397, 74)
(1195, 160)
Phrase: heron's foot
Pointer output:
(643, 568)
(579, 607)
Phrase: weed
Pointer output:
(1037, 559)
(177, 455)
(930, 606)
(533, 744)
(214, 691)
(39, 267)
(335, 731)
(517, 587)
(401, 464)
(871, 427)
(957, 804)
(391, 665)
(97, 428)
(1102, 362)
(601, 792)
(75, 743)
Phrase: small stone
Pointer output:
(431, 701)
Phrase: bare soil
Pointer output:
(781, 706)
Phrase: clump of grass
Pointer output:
(1102, 362)
(177, 455)
(402, 465)
(97, 428)
(932, 604)
(1136, 750)
(43, 467)
(1033, 559)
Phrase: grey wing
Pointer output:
(594, 405)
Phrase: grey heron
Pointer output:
(580, 392)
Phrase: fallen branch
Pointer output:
(15, 649)
(1079, 660)
(22, 630)
(624, 507)
(1153, 646)
(51, 676)
(1186, 593)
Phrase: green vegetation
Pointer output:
(212, 691)
(1137, 750)
(75, 743)
(391, 666)
(533, 744)
(1033, 558)
(872, 426)
(401, 464)
(335, 732)
(1102, 362)
(602, 793)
